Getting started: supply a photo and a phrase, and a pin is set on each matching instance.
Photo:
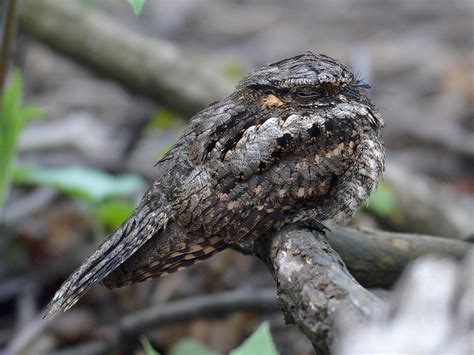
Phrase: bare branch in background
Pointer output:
(148, 66)
(207, 306)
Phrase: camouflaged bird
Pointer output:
(297, 142)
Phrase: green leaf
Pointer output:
(85, 183)
(260, 342)
(136, 6)
(27, 113)
(12, 95)
(147, 347)
(112, 213)
(189, 346)
(382, 201)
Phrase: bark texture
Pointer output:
(314, 285)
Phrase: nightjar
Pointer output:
(297, 141)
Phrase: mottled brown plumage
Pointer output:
(298, 141)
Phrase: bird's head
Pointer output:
(308, 81)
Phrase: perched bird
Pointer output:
(298, 141)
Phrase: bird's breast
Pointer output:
(275, 170)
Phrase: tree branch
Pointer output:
(313, 284)
(148, 66)
(377, 258)
(207, 306)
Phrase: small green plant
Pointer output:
(190, 346)
(88, 184)
(13, 117)
(136, 5)
(106, 196)
(147, 347)
(259, 343)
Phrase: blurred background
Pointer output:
(106, 93)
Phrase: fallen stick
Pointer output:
(149, 66)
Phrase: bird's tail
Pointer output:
(174, 250)
(150, 218)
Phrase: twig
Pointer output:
(207, 306)
(314, 286)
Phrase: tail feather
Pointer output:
(147, 221)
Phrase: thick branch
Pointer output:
(313, 284)
(148, 66)
(376, 258)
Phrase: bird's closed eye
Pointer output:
(308, 94)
